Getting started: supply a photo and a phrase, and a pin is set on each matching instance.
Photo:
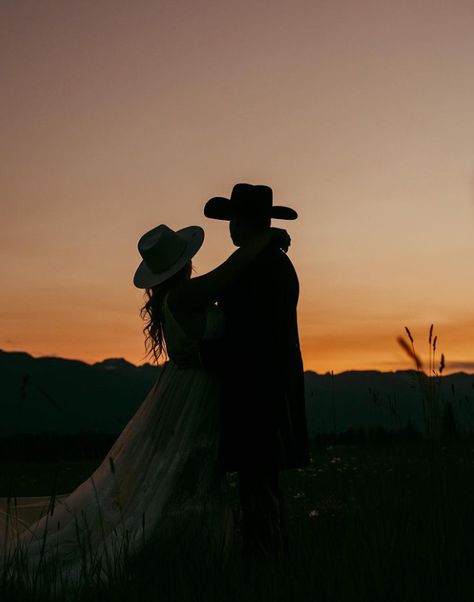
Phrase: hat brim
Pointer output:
(221, 208)
(194, 237)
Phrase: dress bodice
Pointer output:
(177, 341)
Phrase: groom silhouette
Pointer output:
(264, 421)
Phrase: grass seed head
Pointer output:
(409, 351)
(442, 364)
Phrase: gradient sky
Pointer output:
(117, 116)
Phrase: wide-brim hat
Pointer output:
(247, 201)
(165, 252)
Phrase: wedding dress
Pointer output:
(160, 482)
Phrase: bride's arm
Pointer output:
(200, 291)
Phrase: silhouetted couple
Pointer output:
(231, 398)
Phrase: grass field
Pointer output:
(391, 522)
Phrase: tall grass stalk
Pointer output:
(429, 384)
(48, 577)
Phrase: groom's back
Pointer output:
(264, 408)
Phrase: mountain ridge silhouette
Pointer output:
(50, 393)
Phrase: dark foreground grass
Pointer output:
(388, 522)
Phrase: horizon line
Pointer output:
(309, 370)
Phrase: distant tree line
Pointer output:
(381, 435)
(53, 446)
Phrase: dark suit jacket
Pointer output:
(264, 420)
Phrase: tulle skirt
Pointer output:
(160, 485)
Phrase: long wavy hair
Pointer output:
(152, 312)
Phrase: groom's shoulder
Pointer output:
(275, 262)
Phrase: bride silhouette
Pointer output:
(163, 478)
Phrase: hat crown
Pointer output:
(249, 199)
(161, 248)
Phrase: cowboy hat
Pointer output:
(248, 201)
(165, 252)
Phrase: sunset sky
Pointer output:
(121, 115)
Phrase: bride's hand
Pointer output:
(281, 238)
